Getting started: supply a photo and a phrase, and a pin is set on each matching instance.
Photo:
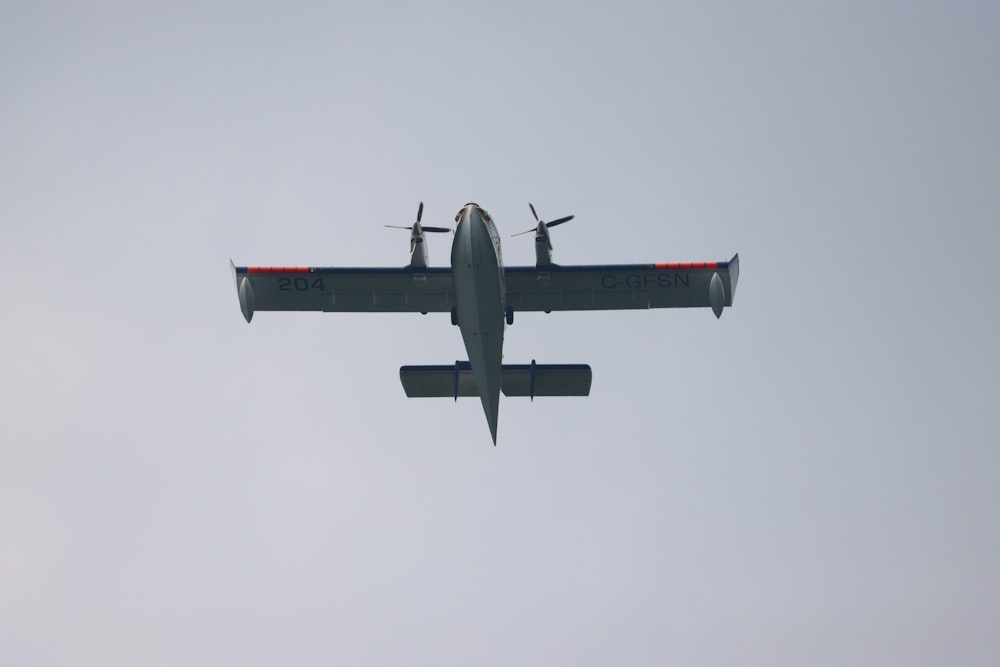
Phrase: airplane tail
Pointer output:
(517, 380)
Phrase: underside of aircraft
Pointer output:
(482, 296)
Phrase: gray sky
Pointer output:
(814, 479)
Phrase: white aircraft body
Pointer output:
(482, 296)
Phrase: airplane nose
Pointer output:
(467, 215)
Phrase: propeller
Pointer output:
(542, 225)
(416, 229)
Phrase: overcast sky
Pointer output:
(813, 479)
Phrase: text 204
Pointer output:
(299, 284)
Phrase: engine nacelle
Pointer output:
(418, 250)
(418, 242)
(543, 247)
(543, 242)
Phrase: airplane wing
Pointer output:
(338, 289)
(619, 286)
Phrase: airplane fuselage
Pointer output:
(477, 267)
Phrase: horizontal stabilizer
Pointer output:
(546, 379)
(439, 381)
(518, 380)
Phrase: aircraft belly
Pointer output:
(480, 310)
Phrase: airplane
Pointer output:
(482, 295)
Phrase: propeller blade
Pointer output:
(533, 211)
(533, 229)
(422, 228)
(559, 221)
(420, 211)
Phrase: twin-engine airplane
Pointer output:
(481, 294)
